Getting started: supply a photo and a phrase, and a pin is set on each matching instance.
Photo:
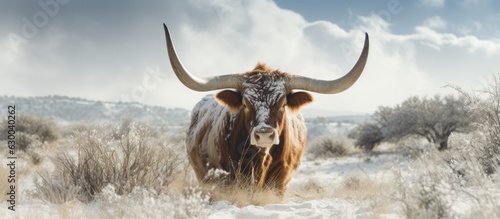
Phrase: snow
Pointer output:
(323, 208)
(329, 173)
(336, 200)
(263, 91)
(359, 185)
(208, 113)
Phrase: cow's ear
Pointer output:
(298, 99)
(230, 99)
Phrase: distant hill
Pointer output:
(67, 109)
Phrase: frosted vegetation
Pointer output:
(393, 166)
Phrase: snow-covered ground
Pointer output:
(386, 183)
(303, 200)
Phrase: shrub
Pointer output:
(25, 141)
(485, 105)
(36, 159)
(434, 183)
(137, 159)
(423, 192)
(329, 146)
(31, 131)
(43, 128)
(368, 136)
(54, 190)
(143, 203)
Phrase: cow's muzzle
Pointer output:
(264, 137)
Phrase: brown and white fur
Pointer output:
(257, 130)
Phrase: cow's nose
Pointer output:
(264, 134)
(264, 137)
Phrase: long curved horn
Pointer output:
(335, 86)
(193, 82)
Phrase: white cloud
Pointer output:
(220, 37)
(435, 22)
(470, 44)
(470, 28)
(433, 3)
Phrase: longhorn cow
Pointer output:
(253, 127)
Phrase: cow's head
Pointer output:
(263, 98)
(264, 95)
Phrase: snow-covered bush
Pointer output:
(31, 131)
(485, 104)
(450, 184)
(137, 159)
(144, 203)
(415, 147)
(329, 146)
(424, 189)
(367, 135)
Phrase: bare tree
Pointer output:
(433, 118)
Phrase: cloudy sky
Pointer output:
(115, 50)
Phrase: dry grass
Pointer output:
(142, 203)
(485, 105)
(130, 171)
(4, 174)
(309, 190)
(242, 192)
(137, 159)
(424, 197)
(435, 182)
(124, 171)
(243, 195)
(359, 186)
(451, 184)
(54, 190)
(72, 209)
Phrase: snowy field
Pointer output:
(321, 189)
(410, 179)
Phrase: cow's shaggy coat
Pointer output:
(219, 134)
